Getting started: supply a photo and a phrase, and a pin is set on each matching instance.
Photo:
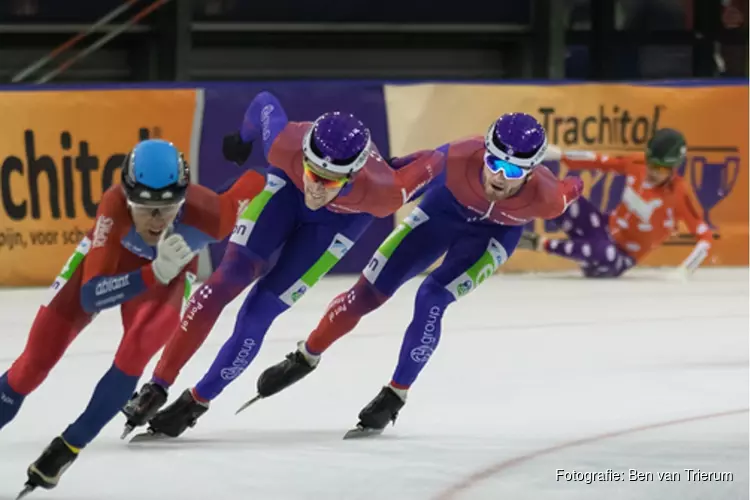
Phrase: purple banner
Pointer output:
(225, 106)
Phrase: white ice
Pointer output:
(527, 366)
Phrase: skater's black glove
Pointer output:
(235, 150)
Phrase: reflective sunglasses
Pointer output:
(163, 211)
(509, 170)
(313, 173)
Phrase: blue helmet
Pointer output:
(517, 138)
(155, 173)
(338, 143)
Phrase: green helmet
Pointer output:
(667, 148)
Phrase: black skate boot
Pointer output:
(173, 420)
(375, 416)
(278, 377)
(49, 467)
(281, 375)
(143, 406)
(529, 241)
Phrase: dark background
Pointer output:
(200, 40)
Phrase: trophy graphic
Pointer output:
(713, 182)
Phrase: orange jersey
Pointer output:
(647, 214)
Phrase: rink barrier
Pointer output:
(63, 147)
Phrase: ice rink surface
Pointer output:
(534, 374)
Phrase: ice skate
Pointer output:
(175, 419)
(374, 418)
(295, 367)
(46, 471)
(143, 406)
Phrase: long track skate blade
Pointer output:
(362, 432)
(246, 405)
(126, 431)
(25, 491)
(148, 436)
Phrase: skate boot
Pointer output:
(177, 417)
(294, 368)
(143, 406)
(375, 416)
(50, 466)
(281, 375)
(529, 241)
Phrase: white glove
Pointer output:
(695, 259)
(172, 255)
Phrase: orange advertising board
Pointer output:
(59, 151)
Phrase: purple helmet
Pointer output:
(517, 138)
(338, 143)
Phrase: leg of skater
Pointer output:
(581, 220)
(260, 232)
(311, 251)
(588, 242)
(56, 325)
(398, 259)
(147, 322)
(473, 257)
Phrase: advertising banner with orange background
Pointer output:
(612, 118)
(59, 151)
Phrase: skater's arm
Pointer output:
(212, 216)
(418, 172)
(234, 201)
(243, 180)
(587, 160)
(103, 292)
(557, 197)
(264, 118)
(399, 162)
(687, 213)
(102, 287)
(247, 186)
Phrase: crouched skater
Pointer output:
(655, 199)
(493, 187)
(325, 184)
(147, 232)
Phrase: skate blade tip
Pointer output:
(25, 491)
(248, 404)
(362, 432)
(145, 437)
